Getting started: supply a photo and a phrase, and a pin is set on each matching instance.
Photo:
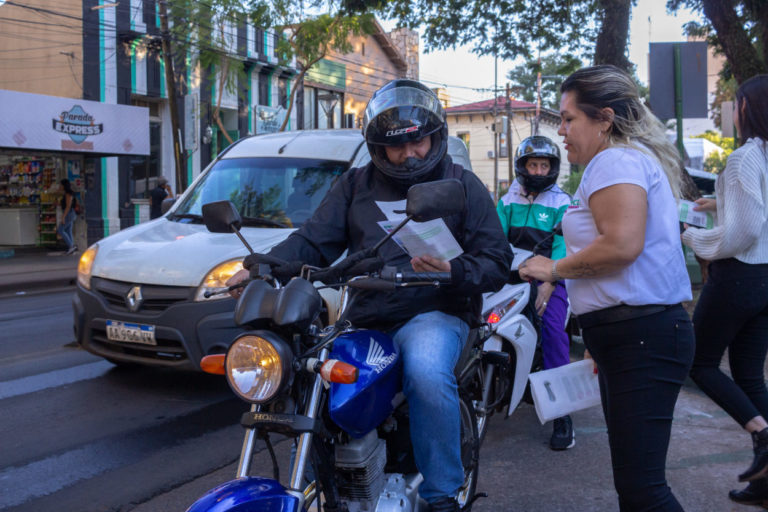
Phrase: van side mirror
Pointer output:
(435, 199)
(221, 217)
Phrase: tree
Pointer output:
(553, 68)
(520, 28)
(736, 28)
(207, 33)
(715, 162)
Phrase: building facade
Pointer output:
(108, 54)
(515, 120)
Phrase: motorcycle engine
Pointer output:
(360, 471)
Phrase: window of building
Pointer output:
(144, 170)
(282, 92)
(310, 108)
(263, 89)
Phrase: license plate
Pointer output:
(132, 333)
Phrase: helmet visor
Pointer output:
(412, 104)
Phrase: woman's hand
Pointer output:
(538, 268)
(542, 297)
(430, 264)
(705, 204)
(238, 278)
(587, 355)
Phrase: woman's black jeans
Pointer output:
(732, 313)
(642, 364)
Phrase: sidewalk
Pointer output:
(24, 270)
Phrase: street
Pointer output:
(79, 434)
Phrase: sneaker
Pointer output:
(562, 434)
(72, 250)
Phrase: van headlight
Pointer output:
(258, 366)
(85, 265)
(216, 279)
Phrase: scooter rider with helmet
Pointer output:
(406, 133)
(529, 211)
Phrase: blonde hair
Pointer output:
(633, 124)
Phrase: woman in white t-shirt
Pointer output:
(625, 273)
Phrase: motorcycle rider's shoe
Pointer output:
(759, 467)
(562, 434)
(756, 493)
(447, 504)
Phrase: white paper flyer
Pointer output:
(432, 238)
(690, 216)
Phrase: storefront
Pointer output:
(44, 139)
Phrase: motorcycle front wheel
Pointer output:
(470, 452)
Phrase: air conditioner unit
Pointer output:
(490, 154)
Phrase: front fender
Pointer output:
(247, 494)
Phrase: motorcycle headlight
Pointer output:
(216, 279)
(85, 265)
(258, 366)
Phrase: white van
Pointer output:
(141, 292)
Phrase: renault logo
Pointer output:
(133, 299)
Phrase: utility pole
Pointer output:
(509, 138)
(495, 129)
(170, 80)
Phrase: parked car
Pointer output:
(141, 293)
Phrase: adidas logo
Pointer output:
(376, 358)
(543, 216)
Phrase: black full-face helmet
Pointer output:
(537, 146)
(405, 111)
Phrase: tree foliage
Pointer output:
(553, 68)
(520, 28)
(308, 31)
(715, 162)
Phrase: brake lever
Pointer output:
(228, 289)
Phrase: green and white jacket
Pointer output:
(527, 220)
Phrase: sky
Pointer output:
(461, 71)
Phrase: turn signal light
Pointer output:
(493, 318)
(339, 372)
(213, 364)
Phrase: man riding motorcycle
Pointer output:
(406, 133)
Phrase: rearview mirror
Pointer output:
(221, 217)
(435, 199)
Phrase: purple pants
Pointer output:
(554, 340)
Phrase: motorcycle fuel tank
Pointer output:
(360, 407)
(248, 494)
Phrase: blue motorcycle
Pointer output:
(334, 389)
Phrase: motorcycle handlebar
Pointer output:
(400, 277)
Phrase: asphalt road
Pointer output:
(78, 434)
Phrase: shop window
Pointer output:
(144, 170)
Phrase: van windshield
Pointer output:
(268, 192)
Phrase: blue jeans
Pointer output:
(65, 229)
(430, 345)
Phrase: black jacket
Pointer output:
(347, 219)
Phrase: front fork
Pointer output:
(304, 444)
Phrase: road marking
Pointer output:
(52, 379)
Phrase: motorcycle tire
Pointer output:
(470, 453)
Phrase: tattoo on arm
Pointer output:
(583, 270)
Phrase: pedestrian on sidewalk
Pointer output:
(625, 274)
(68, 216)
(529, 212)
(732, 311)
(157, 195)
